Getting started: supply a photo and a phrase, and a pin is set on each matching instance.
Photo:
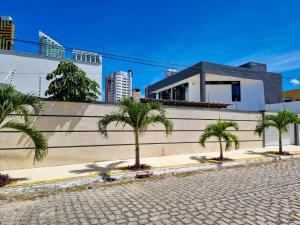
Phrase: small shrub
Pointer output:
(5, 179)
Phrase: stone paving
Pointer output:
(266, 194)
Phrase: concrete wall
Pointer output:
(71, 130)
(31, 71)
(289, 106)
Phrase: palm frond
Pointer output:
(265, 123)
(280, 121)
(110, 118)
(230, 139)
(219, 130)
(41, 147)
(30, 100)
(14, 102)
(206, 135)
(155, 119)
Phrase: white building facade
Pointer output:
(28, 71)
(118, 85)
(85, 56)
(248, 87)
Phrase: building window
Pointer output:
(179, 92)
(166, 95)
(236, 91)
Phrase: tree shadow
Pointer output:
(201, 159)
(54, 121)
(101, 170)
(266, 154)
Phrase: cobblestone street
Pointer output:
(266, 194)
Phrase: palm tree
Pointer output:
(139, 116)
(14, 105)
(219, 130)
(280, 121)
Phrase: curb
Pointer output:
(78, 181)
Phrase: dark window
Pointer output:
(165, 94)
(236, 91)
(151, 95)
(179, 92)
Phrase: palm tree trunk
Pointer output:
(137, 150)
(221, 149)
(280, 143)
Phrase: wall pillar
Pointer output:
(202, 86)
(296, 133)
(263, 114)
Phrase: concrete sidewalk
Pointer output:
(56, 173)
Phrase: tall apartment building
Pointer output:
(49, 47)
(85, 56)
(7, 32)
(118, 85)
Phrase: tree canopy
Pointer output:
(221, 132)
(70, 83)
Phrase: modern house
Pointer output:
(246, 87)
(28, 71)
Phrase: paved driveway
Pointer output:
(266, 194)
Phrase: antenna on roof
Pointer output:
(10, 77)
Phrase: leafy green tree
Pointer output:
(70, 83)
(280, 121)
(14, 105)
(219, 130)
(138, 116)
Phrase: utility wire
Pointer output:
(41, 73)
(162, 64)
(154, 63)
(145, 58)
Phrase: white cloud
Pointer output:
(295, 82)
(276, 62)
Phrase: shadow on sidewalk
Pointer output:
(201, 159)
(266, 154)
(101, 170)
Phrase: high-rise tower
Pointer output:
(49, 47)
(7, 32)
(118, 85)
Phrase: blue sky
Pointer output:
(230, 32)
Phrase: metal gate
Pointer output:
(271, 136)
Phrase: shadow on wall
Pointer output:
(53, 123)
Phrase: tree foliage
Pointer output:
(14, 105)
(138, 116)
(70, 83)
(280, 121)
(220, 131)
